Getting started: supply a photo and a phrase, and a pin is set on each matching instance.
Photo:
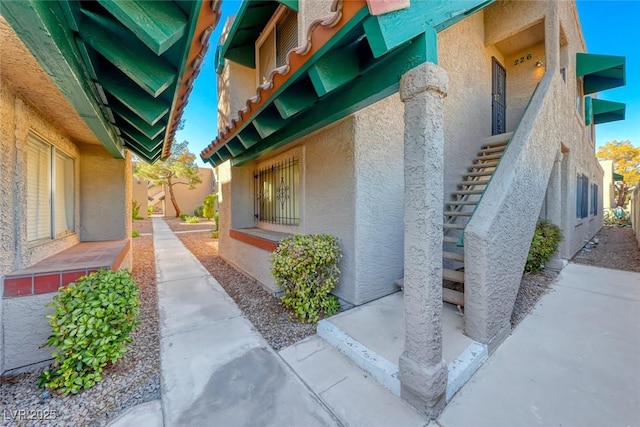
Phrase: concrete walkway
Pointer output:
(574, 361)
(216, 368)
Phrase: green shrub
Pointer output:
(192, 219)
(209, 209)
(150, 210)
(617, 217)
(135, 209)
(198, 211)
(135, 233)
(306, 267)
(184, 216)
(91, 325)
(545, 242)
(214, 234)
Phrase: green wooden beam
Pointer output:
(335, 69)
(378, 82)
(127, 53)
(43, 28)
(388, 31)
(158, 24)
(235, 147)
(72, 12)
(291, 4)
(149, 144)
(296, 98)
(249, 136)
(268, 122)
(151, 132)
(151, 110)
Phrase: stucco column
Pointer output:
(554, 204)
(552, 36)
(423, 372)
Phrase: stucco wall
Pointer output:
(608, 190)
(635, 212)
(26, 329)
(379, 207)
(522, 79)
(140, 194)
(106, 194)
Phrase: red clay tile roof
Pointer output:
(319, 32)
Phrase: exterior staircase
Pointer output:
(460, 208)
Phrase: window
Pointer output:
(594, 199)
(278, 38)
(277, 193)
(582, 196)
(50, 191)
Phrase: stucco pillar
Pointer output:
(423, 372)
(554, 206)
(552, 36)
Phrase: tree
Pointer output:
(180, 165)
(626, 158)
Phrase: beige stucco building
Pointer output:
(442, 173)
(72, 109)
(157, 196)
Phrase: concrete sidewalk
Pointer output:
(216, 368)
(574, 361)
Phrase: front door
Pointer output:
(499, 98)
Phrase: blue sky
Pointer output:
(610, 27)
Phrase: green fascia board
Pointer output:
(158, 24)
(195, 6)
(151, 132)
(219, 60)
(607, 111)
(291, 4)
(152, 73)
(377, 82)
(600, 72)
(390, 30)
(588, 110)
(251, 19)
(43, 29)
(618, 177)
(140, 102)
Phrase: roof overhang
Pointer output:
(618, 177)
(127, 67)
(600, 72)
(349, 61)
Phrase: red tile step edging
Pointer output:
(65, 267)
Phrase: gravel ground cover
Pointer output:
(134, 379)
(176, 224)
(143, 226)
(617, 248)
(263, 309)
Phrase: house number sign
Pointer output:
(522, 59)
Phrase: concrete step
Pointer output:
(454, 213)
(497, 140)
(470, 183)
(450, 239)
(453, 275)
(453, 297)
(453, 256)
(499, 149)
(461, 202)
(481, 173)
(486, 165)
(489, 157)
(468, 192)
(350, 393)
(453, 226)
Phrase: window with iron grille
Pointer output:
(582, 196)
(594, 199)
(277, 199)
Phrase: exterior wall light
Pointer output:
(539, 63)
